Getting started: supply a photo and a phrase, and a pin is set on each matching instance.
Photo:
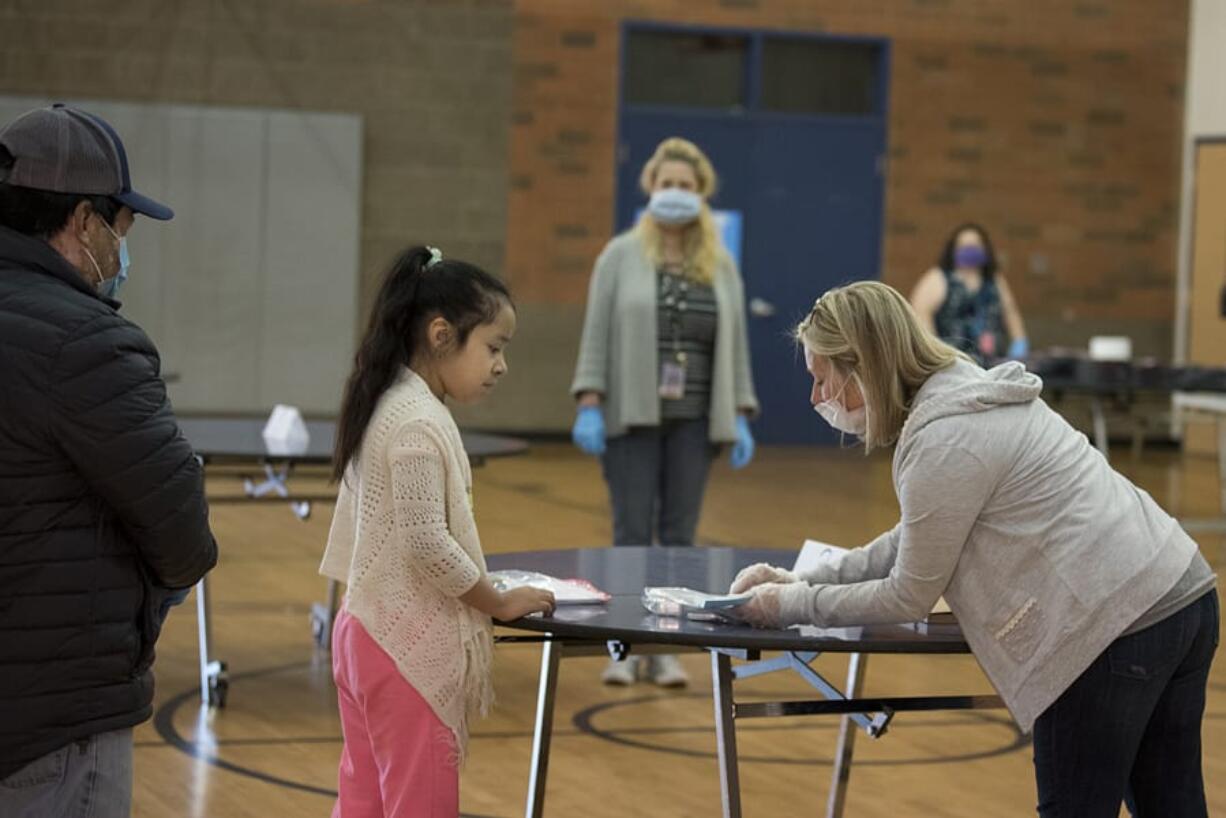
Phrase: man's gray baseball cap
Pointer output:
(66, 150)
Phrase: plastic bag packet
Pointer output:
(565, 591)
(691, 604)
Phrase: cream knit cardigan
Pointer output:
(404, 540)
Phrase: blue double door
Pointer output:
(810, 193)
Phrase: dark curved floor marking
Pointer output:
(163, 722)
(165, 716)
(583, 721)
(749, 727)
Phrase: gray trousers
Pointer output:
(90, 778)
(657, 476)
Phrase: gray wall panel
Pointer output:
(310, 293)
(251, 291)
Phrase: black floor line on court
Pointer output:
(583, 726)
(583, 721)
(568, 733)
(163, 722)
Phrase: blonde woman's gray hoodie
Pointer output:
(1044, 552)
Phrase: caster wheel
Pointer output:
(219, 684)
(301, 510)
(218, 688)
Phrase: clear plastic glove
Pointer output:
(588, 432)
(760, 574)
(742, 449)
(1019, 348)
(774, 605)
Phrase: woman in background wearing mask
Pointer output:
(1091, 611)
(663, 376)
(967, 303)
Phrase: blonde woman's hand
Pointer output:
(519, 602)
(760, 574)
(774, 605)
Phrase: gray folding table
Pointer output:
(1119, 383)
(623, 626)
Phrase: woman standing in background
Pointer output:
(966, 302)
(663, 376)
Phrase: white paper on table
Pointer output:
(815, 553)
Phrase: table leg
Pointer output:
(725, 733)
(1215, 524)
(213, 680)
(847, 739)
(323, 615)
(202, 635)
(1099, 416)
(1221, 460)
(542, 734)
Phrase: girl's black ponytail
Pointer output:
(419, 286)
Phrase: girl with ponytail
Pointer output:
(412, 644)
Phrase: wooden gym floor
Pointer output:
(273, 749)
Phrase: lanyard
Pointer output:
(676, 294)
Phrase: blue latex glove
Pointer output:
(1019, 349)
(742, 450)
(588, 432)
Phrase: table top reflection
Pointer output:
(624, 571)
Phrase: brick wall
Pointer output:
(431, 79)
(490, 129)
(1055, 123)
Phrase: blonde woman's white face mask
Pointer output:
(853, 422)
(833, 409)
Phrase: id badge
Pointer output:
(672, 380)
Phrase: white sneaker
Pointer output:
(623, 673)
(666, 671)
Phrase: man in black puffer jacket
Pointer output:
(103, 522)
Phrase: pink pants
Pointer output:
(397, 758)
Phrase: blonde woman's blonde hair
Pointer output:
(867, 330)
(701, 244)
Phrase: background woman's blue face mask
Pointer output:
(674, 206)
(972, 255)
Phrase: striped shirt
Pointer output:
(688, 320)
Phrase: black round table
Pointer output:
(622, 626)
(1120, 382)
(624, 571)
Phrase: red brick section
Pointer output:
(1055, 122)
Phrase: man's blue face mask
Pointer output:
(109, 287)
